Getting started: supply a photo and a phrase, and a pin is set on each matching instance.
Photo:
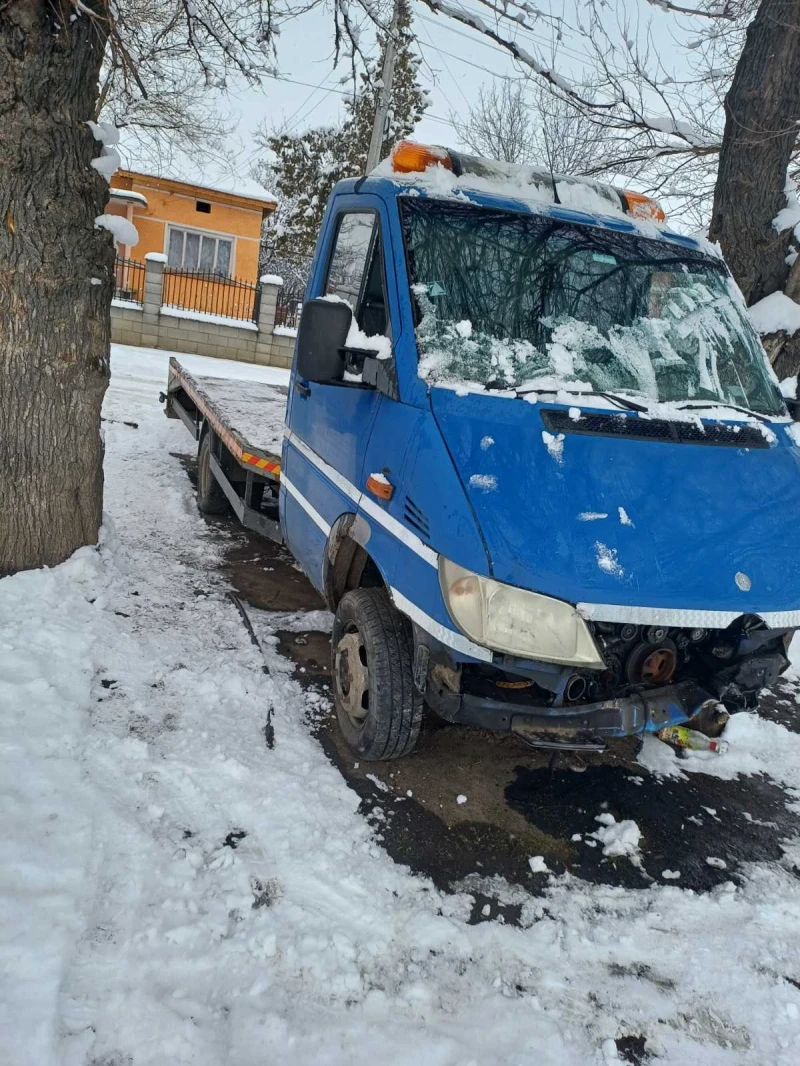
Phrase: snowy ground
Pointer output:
(141, 928)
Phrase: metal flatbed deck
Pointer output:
(246, 420)
(247, 416)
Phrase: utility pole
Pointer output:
(384, 93)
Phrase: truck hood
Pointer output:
(638, 523)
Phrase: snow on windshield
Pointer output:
(514, 301)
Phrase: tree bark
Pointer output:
(54, 322)
(762, 109)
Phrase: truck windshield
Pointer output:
(509, 300)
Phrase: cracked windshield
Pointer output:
(508, 300)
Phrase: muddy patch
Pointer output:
(266, 576)
(701, 828)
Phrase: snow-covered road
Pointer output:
(173, 891)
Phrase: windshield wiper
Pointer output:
(621, 401)
(722, 403)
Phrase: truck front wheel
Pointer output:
(210, 497)
(377, 705)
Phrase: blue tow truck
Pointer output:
(533, 456)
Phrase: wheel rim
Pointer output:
(351, 671)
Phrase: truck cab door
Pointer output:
(329, 423)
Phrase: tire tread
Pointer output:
(391, 667)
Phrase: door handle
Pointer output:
(302, 388)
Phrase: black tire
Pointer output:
(368, 630)
(210, 497)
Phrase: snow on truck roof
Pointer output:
(437, 172)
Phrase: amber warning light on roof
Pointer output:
(411, 158)
(642, 206)
(408, 157)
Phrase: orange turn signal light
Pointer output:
(408, 157)
(643, 206)
(380, 487)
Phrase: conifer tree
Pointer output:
(306, 166)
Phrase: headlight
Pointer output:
(516, 621)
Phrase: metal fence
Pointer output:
(128, 280)
(210, 294)
(288, 308)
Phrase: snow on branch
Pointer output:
(618, 103)
(712, 11)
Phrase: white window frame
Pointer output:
(215, 234)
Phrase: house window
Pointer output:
(189, 250)
(203, 206)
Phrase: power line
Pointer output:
(449, 71)
(486, 42)
(344, 92)
(311, 110)
(289, 125)
(469, 63)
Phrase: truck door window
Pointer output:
(371, 315)
(355, 272)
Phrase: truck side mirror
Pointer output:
(321, 335)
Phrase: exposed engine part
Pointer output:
(650, 664)
(723, 651)
(731, 665)
(575, 689)
(656, 634)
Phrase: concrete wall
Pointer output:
(147, 326)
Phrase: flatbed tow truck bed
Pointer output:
(246, 420)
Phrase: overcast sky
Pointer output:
(457, 61)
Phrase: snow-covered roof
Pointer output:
(237, 186)
(213, 179)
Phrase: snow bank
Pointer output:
(137, 372)
(47, 633)
(775, 312)
(755, 746)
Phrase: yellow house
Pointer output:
(199, 229)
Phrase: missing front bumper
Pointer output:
(586, 726)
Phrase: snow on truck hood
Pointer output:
(646, 523)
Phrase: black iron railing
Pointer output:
(128, 280)
(288, 308)
(210, 294)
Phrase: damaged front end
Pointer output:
(653, 677)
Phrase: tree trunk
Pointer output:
(762, 109)
(54, 322)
